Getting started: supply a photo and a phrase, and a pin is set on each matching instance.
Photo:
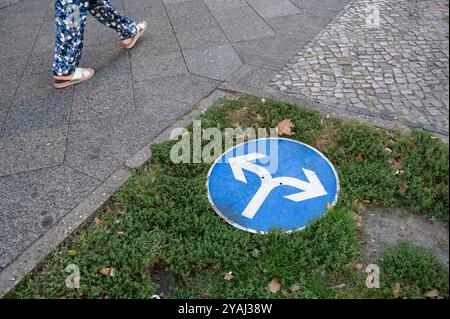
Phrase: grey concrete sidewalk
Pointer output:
(56, 147)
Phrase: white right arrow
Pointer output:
(311, 189)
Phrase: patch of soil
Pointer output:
(387, 226)
(161, 275)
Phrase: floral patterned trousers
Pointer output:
(70, 16)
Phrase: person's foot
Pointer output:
(129, 43)
(80, 75)
(126, 42)
(70, 76)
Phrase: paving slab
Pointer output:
(273, 8)
(215, 62)
(32, 150)
(140, 4)
(40, 86)
(174, 88)
(17, 42)
(98, 147)
(201, 38)
(157, 44)
(243, 23)
(102, 102)
(162, 112)
(45, 40)
(155, 15)
(298, 24)
(323, 8)
(33, 201)
(111, 64)
(12, 66)
(220, 5)
(270, 52)
(36, 113)
(149, 67)
(8, 87)
(189, 15)
(14, 6)
(251, 76)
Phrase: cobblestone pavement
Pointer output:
(57, 147)
(398, 70)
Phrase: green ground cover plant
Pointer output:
(160, 224)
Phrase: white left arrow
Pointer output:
(239, 163)
(311, 189)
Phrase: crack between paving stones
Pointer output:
(260, 16)
(86, 174)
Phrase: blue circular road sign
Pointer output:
(272, 183)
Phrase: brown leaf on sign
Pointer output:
(98, 222)
(105, 271)
(228, 276)
(360, 156)
(294, 288)
(432, 294)
(396, 291)
(274, 286)
(403, 187)
(285, 127)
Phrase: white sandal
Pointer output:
(141, 26)
(80, 75)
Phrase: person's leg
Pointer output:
(69, 17)
(105, 12)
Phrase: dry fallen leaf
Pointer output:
(403, 187)
(360, 156)
(274, 286)
(396, 291)
(432, 294)
(285, 127)
(228, 276)
(294, 288)
(398, 164)
(98, 222)
(359, 266)
(105, 271)
(358, 219)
